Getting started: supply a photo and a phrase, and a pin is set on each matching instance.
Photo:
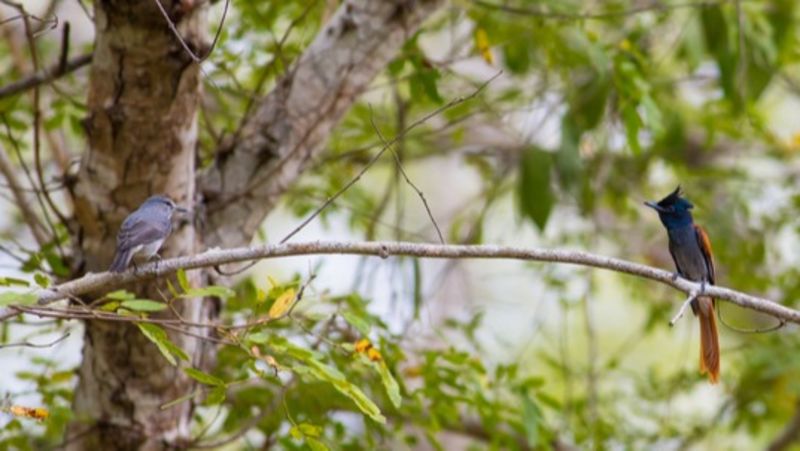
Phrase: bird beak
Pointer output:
(654, 206)
(181, 209)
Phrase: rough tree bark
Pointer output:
(142, 133)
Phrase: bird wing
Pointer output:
(705, 247)
(135, 231)
(675, 260)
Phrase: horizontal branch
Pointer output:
(44, 76)
(104, 282)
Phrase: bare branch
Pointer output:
(103, 282)
(596, 15)
(28, 344)
(28, 215)
(45, 76)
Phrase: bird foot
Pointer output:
(157, 259)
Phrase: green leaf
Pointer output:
(109, 306)
(531, 419)
(203, 377)
(652, 115)
(356, 321)
(315, 444)
(423, 83)
(172, 289)
(389, 383)
(10, 297)
(567, 161)
(182, 280)
(331, 375)
(41, 280)
(259, 338)
(143, 305)
(216, 396)
(283, 346)
(9, 281)
(159, 337)
(534, 190)
(719, 42)
(306, 429)
(517, 56)
(588, 103)
(120, 295)
(632, 125)
(55, 262)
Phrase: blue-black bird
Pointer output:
(691, 252)
(143, 232)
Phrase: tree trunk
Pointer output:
(143, 96)
(142, 133)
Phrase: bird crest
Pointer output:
(674, 199)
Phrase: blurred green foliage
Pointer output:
(643, 95)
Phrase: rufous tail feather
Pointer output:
(709, 340)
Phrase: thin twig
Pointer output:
(28, 215)
(44, 195)
(331, 199)
(177, 34)
(28, 344)
(682, 310)
(596, 15)
(44, 76)
(407, 179)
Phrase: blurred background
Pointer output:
(582, 111)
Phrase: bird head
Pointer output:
(164, 201)
(673, 210)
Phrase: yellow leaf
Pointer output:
(625, 45)
(37, 413)
(363, 345)
(282, 304)
(412, 371)
(482, 44)
(374, 355)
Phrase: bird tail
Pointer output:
(709, 339)
(121, 260)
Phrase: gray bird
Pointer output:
(144, 231)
